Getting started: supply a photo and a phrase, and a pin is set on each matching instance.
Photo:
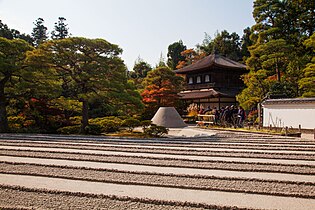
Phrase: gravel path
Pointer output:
(225, 171)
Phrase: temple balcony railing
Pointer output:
(199, 86)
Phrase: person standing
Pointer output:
(241, 115)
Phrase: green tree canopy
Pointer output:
(277, 49)
(88, 67)
(140, 69)
(12, 69)
(224, 44)
(307, 84)
(174, 55)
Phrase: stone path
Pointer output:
(268, 173)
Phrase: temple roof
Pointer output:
(289, 101)
(212, 60)
(206, 93)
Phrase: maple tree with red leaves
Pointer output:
(161, 88)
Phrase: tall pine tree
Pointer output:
(61, 30)
(39, 33)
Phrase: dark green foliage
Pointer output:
(140, 69)
(93, 129)
(156, 131)
(277, 54)
(245, 43)
(281, 90)
(8, 33)
(39, 33)
(145, 124)
(224, 43)
(174, 54)
(75, 129)
(130, 123)
(107, 124)
(61, 30)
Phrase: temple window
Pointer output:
(198, 80)
(207, 78)
(190, 80)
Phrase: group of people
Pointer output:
(226, 116)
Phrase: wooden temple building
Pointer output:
(212, 81)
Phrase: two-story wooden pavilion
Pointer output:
(212, 81)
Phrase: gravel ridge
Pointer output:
(12, 196)
(104, 146)
(208, 153)
(167, 162)
(227, 184)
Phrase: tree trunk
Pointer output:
(85, 115)
(278, 73)
(4, 127)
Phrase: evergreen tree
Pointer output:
(8, 33)
(224, 43)
(174, 54)
(307, 84)
(39, 33)
(277, 49)
(140, 69)
(61, 30)
(89, 68)
(245, 43)
(18, 79)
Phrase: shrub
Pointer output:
(94, 129)
(130, 123)
(76, 120)
(20, 124)
(156, 131)
(145, 124)
(75, 129)
(107, 124)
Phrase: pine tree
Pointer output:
(61, 30)
(39, 33)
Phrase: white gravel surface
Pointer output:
(173, 194)
(166, 170)
(269, 172)
(188, 157)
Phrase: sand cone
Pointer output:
(168, 117)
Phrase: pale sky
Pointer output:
(142, 28)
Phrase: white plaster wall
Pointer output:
(289, 115)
